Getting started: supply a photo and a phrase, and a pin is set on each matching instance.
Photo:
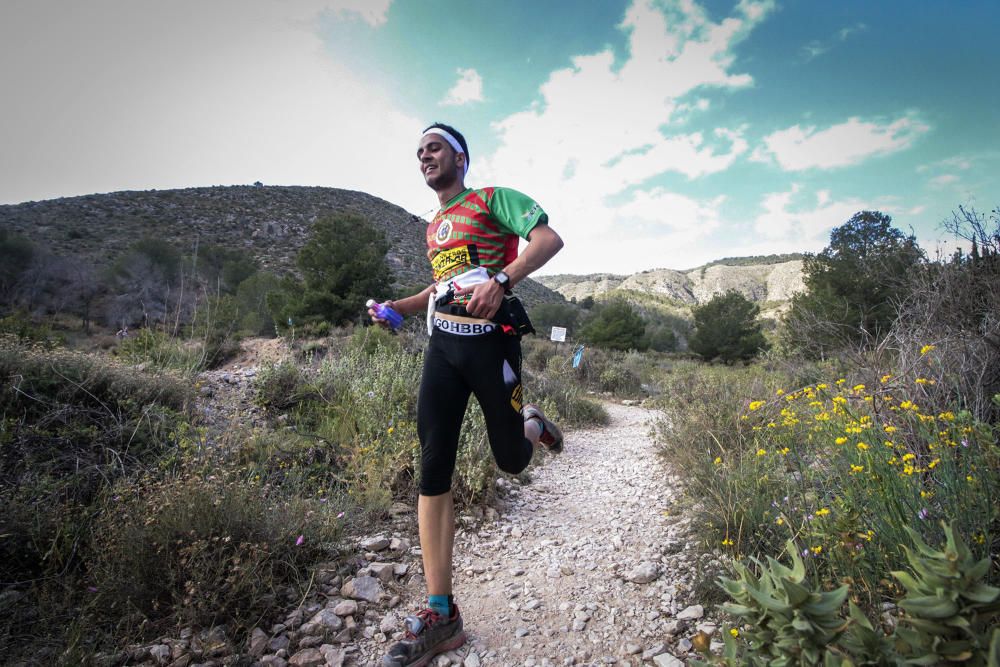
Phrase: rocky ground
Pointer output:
(589, 563)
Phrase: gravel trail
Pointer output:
(584, 565)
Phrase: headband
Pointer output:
(451, 140)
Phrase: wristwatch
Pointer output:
(503, 280)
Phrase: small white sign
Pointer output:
(558, 334)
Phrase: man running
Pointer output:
(474, 349)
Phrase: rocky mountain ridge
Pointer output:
(769, 284)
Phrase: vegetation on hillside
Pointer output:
(873, 426)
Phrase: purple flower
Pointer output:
(923, 514)
(299, 542)
(965, 443)
(340, 516)
(805, 552)
(91, 589)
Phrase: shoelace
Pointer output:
(424, 618)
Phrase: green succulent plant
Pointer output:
(792, 624)
(950, 612)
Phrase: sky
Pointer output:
(655, 133)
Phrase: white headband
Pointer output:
(451, 140)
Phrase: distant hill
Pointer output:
(769, 281)
(271, 223)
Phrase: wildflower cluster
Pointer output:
(842, 467)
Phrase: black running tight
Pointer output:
(488, 366)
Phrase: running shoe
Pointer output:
(551, 438)
(427, 635)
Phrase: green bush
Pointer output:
(615, 325)
(726, 328)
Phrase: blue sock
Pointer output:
(440, 603)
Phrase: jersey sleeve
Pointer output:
(516, 212)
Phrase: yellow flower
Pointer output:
(841, 381)
(784, 451)
(718, 460)
(908, 470)
(926, 494)
(889, 428)
(840, 441)
(821, 386)
(391, 429)
(858, 388)
(970, 478)
(839, 400)
(761, 452)
(869, 535)
(979, 538)
(817, 550)
(736, 633)
(780, 521)
(885, 378)
(727, 542)
(756, 405)
(947, 416)
(822, 512)
(926, 348)
(862, 446)
(909, 456)
(780, 392)
(933, 464)
(856, 468)
(925, 381)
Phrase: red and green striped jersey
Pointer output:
(480, 228)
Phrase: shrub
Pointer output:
(839, 465)
(203, 550)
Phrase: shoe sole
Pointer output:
(447, 645)
(551, 429)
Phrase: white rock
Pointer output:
(644, 573)
(362, 588)
(346, 608)
(691, 613)
(667, 660)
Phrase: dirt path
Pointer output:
(585, 565)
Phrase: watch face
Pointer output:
(502, 278)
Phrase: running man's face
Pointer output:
(439, 163)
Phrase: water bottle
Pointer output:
(386, 313)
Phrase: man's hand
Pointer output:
(486, 299)
(378, 320)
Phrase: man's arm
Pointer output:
(543, 244)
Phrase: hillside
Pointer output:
(271, 223)
(769, 284)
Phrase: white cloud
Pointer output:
(817, 47)
(468, 88)
(943, 180)
(797, 148)
(796, 221)
(604, 128)
(125, 95)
